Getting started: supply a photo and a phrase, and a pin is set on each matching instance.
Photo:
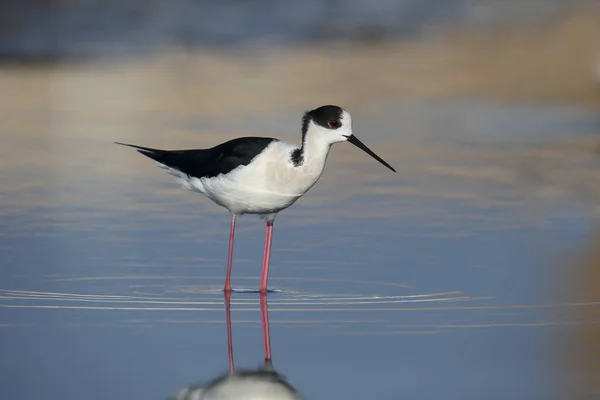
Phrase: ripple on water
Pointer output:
(169, 295)
(376, 308)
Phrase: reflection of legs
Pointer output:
(265, 325)
(229, 334)
(230, 257)
(266, 257)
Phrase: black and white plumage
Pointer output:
(258, 175)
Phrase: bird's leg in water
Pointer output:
(266, 257)
(230, 256)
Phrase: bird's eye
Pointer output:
(334, 123)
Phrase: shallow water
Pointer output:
(452, 278)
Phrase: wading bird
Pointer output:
(260, 175)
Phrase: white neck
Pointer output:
(316, 145)
(315, 151)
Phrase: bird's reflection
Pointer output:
(261, 383)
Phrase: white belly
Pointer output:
(243, 197)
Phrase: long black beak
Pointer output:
(352, 139)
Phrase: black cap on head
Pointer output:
(321, 116)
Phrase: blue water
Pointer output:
(110, 274)
(379, 308)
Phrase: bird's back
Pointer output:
(209, 163)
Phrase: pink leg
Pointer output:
(266, 258)
(229, 334)
(230, 257)
(265, 325)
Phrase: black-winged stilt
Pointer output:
(261, 383)
(259, 175)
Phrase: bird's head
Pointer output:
(332, 124)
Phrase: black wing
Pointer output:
(208, 163)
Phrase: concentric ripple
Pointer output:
(153, 293)
(345, 305)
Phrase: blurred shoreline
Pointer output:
(555, 62)
(59, 29)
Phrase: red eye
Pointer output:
(334, 123)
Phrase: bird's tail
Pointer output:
(147, 149)
(160, 156)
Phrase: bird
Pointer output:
(260, 175)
